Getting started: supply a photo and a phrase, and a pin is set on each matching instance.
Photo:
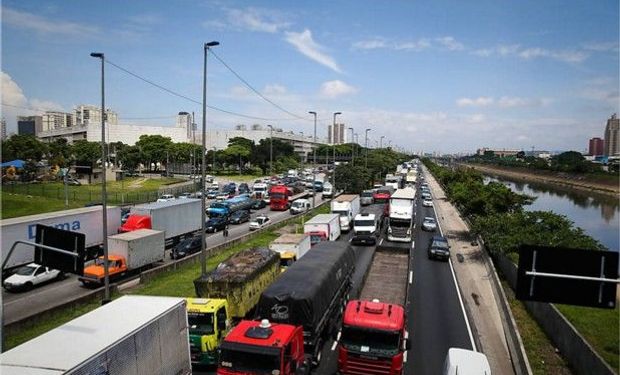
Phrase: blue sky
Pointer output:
(445, 76)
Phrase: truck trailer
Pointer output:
(401, 215)
(323, 227)
(290, 247)
(346, 206)
(85, 220)
(132, 335)
(374, 329)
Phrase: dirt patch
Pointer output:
(137, 184)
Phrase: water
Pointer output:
(597, 214)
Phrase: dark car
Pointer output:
(239, 217)
(186, 247)
(258, 204)
(211, 194)
(216, 223)
(438, 248)
(244, 188)
(318, 186)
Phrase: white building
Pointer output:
(88, 114)
(56, 120)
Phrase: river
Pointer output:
(597, 214)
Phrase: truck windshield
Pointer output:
(341, 213)
(249, 361)
(364, 223)
(370, 340)
(400, 223)
(200, 323)
(277, 196)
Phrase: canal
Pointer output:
(597, 214)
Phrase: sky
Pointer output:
(444, 76)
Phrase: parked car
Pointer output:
(185, 195)
(216, 223)
(258, 204)
(427, 202)
(438, 248)
(166, 198)
(239, 217)
(429, 224)
(28, 276)
(259, 222)
(186, 247)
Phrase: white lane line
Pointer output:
(410, 277)
(458, 293)
(412, 244)
(334, 345)
(380, 242)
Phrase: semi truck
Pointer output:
(209, 322)
(128, 253)
(281, 196)
(240, 279)
(346, 206)
(323, 227)
(132, 335)
(295, 308)
(177, 218)
(290, 247)
(85, 220)
(259, 190)
(401, 215)
(374, 329)
(227, 207)
(393, 181)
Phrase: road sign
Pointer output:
(567, 276)
(68, 241)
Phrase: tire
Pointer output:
(61, 276)
(28, 286)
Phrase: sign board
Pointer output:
(73, 242)
(571, 276)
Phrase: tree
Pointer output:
(261, 153)
(237, 152)
(129, 157)
(24, 147)
(153, 149)
(183, 152)
(59, 152)
(352, 179)
(86, 152)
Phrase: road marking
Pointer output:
(410, 277)
(412, 244)
(334, 345)
(458, 292)
(381, 242)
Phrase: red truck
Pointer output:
(281, 196)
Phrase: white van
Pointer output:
(328, 190)
(300, 206)
(465, 362)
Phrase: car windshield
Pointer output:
(341, 213)
(26, 270)
(257, 188)
(257, 360)
(298, 204)
(364, 223)
(200, 323)
(440, 244)
(429, 221)
(370, 340)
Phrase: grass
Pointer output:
(539, 349)
(15, 205)
(599, 327)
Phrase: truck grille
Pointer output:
(362, 366)
(399, 232)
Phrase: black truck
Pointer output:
(312, 293)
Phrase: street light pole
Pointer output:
(366, 146)
(314, 167)
(104, 203)
(334, 145)
(270, 150)
(381, 142)
(203, 213)
(352, 146)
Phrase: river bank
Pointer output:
(577, 182)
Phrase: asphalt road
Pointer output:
(18, 305)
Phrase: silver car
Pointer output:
(429, 224)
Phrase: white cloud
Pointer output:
(332, 89)
(378, 43)
(45, 105)
(370, 44)
(510, 49)
(274, 89)
(417, 45)
(450, 43)
(482, 101)
(502, 102)
(601, 46)
(307, 46)
(255, 19)
(42, 26)
(530, 53)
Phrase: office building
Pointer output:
(32, 125)
(596, 146)
(496, 152)
(336, 134)
(56, 120)
(612, 136)
(89, 114)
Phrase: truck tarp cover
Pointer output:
(302, 294)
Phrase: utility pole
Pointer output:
(314, 167)
(352, 146)
(334, 145)
(366, 146)
(270, 150)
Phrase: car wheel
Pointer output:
(28, 286)
(61, 276)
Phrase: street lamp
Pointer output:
(366, 146)
(203, 213)
(104, 203)
(352, 146)
(334, 144)
(381, 141)
(314, 167)
(270, 150)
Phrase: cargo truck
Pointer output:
(295, 308)
(412, 177)
(85, 220)
(346, 206)
(393, 181)
(240, 279)
(229, 206)
(401, 215)
(132, 335)
(323, 227)
(374, 328)
(128, 253)
(209, 322)
(290, 247)
(177, 219)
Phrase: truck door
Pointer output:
(222, 322)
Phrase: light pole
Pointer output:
(303, 151)
(366, 146)
(352, 146)
(381, 141)
(203, 213)
(334, 144)
(314, 167)
(270, 150)
(104, 203)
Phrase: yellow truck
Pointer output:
(209, 322)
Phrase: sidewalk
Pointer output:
(473, 277)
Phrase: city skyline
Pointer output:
(448, 78)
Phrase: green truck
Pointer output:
(209, 323)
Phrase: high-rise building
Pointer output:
(56, 120)
(29, 125)
(90, 114)
(596, 146)
(612, 136)
(2, 129)
(336, 134)
(184, 120)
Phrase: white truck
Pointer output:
(328, 190)
(366, 229)
(177, 218)
(412, 177)
(259, 190)
(346, 206)
(393, 181)
(401, 215)
(290, 247)
(132, 335)
(323, 227)
(85, 220)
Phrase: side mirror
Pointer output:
(407, 344)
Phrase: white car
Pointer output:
(427, 202)
(28, 276)
(429, 224)
(221, 197)
(166, 198)
(185, 195)
(259, 222)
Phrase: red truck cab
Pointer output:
(254, 347)
(381, 195)
(135, 222)
(278, 198)
(373, 339)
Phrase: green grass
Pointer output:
(14, 205)
(599, 327)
